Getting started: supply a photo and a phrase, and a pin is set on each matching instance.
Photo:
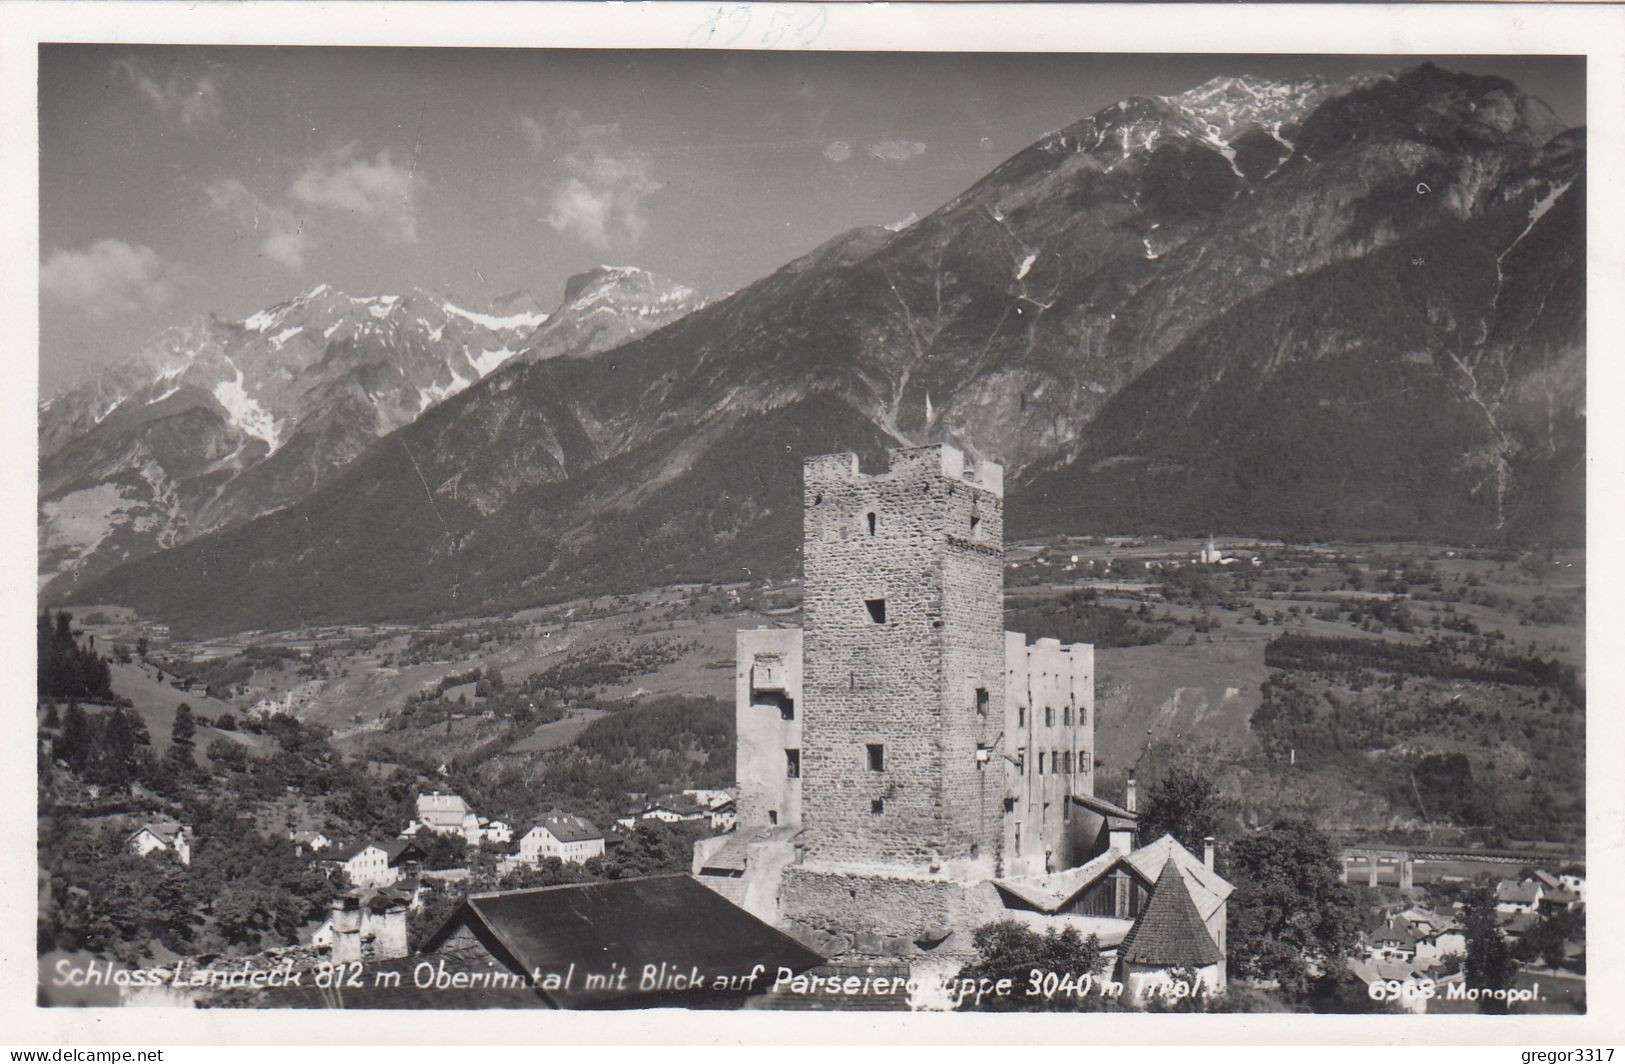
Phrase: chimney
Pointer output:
(1130, 799)
(1207, 852)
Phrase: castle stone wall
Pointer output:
(924, 538)
(767, 687)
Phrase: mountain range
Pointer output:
(1305, 307)
(214, 423)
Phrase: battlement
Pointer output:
(939, 458)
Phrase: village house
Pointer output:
(1512, 896)
(497, 832)
(571, 839)
(675, 809)
(309, 841)
(162, 835)
(720, 802)
(445, 814)
(366, 863)
(1392, 939)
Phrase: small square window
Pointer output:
(877, 757)
(877, 805)
(877, 610)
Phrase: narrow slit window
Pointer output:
(877, 609)
(981, 701)
(1021, 716)
(877, 757)
(975, 527)
(792, 764)
(871, 524)
(772, 816)
(1049, 716)
(787, 709)
(1040, 762)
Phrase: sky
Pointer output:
(180, 181)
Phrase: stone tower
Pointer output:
(904, 665)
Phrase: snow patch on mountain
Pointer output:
(284, 336)
(377, 306)
(264, 319)
(243, 412)
(486, 361)
(524, 320)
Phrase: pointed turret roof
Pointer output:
(1169, 932)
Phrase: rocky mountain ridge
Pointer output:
(1309, 307)
(216, 422)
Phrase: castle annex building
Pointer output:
(908, 769)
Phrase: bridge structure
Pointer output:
(1397, 864)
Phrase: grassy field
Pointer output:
(1193, 692)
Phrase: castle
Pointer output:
(908, 769)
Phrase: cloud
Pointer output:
(897, 150)
(377, 193)
(599, 196)
(108, 277)
(839, 151)
(193, 103)
(534, 132)
(282, 232)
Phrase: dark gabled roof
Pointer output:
(166, 831)
(568, 828)
(681, 804)
(1169, 932)
(1395, 931)
(396, 850)
(634, 922)
(344, 853)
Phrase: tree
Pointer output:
(1291, 918)
(1010, 950)
(1547, 941)
(65, 669)
(227, 753)
(652, 850)
(73, 746)
(441, 849)
(116, 763)
(1490, 965)
(184, 729)
(226, 722)
(141, 648)
(1183, 804)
